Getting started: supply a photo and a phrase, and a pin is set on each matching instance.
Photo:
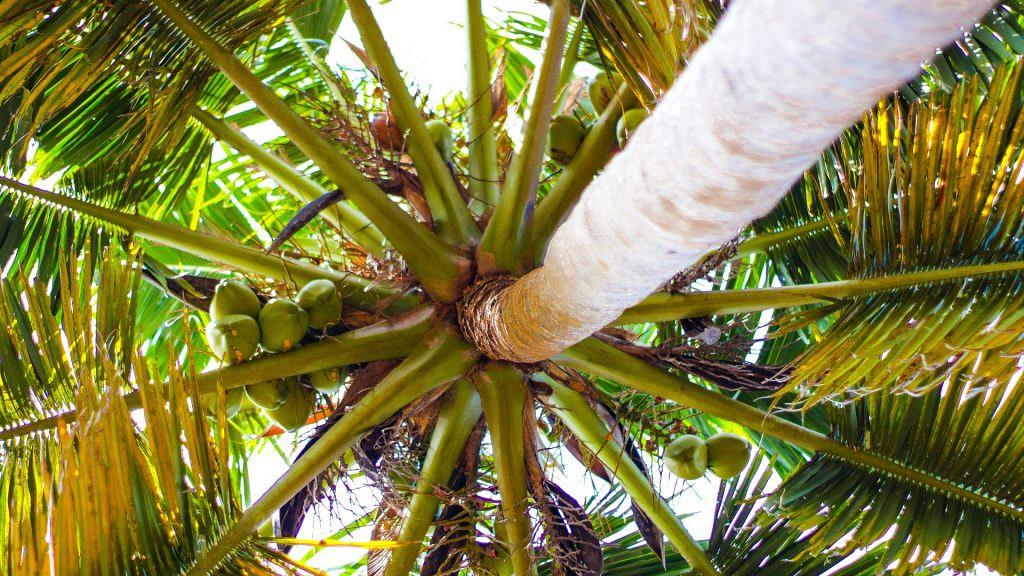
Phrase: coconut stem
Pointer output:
(302, 188)
(383, 341)
(606, 361)
(441, 358)
(586, 425)
(664, 307)
(454, 221)
(483, 157)
(505, 245)
(455, 423)
(502, 390)
(356, 290)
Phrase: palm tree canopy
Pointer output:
(216, 243)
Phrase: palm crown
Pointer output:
(881, 397)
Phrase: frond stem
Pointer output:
(603, 360)
(664, 307)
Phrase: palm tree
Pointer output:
(863, 330)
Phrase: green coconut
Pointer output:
(269, 394)
(728, 454)
(234, 297)
(233, 338)
(601, 91)
(565, 135)
(321, 300)
(443, 138)
(232, 402)
(296, 409)
(630, 121)
(327, 381)
(283, 324)
(687, 457)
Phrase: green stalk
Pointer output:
(441, 358)
(383, 341)
(505, 245)
(502, 390)
(589, 159)
(455, 423)
(761, 243)
(606, 361)
(572, 54)
(296, 183)
(664, 307)
(590, 429)
(483, 155)
(450, 213)
(441, 268)
(356, 290)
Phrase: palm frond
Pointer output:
(101, 495)
(962, 430)
(938, 184)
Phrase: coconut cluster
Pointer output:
(241, 327)
(567, 132)
(724, 454)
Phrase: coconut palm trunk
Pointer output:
(777, 82)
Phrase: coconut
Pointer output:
(687, 457)
(283, 324)
(270, 394)
(443, 138)
(628, 124)
(296, 409)
(565, 135)
(728, 454)
(387, 133)
(320, 299)
(234, 297)
(232, 402)
(601, 91)
(327, 381)
(233, 338)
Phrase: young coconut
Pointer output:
(233, 297)
(296, 409)
(283, 324)
(443, 138)
(387, 133)
(728, 454)
(601, 91)
(321, 300)
(327, 381)
(270, 394)
(233, 338)
(232, 402)
(630, 121)
(565, 135)
(687, 457)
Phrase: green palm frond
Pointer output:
(961, 431)
(101, 495)
(750, 538)
(996, 39)
(88, 77)
(937, 185)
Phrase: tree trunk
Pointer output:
(776, 83)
